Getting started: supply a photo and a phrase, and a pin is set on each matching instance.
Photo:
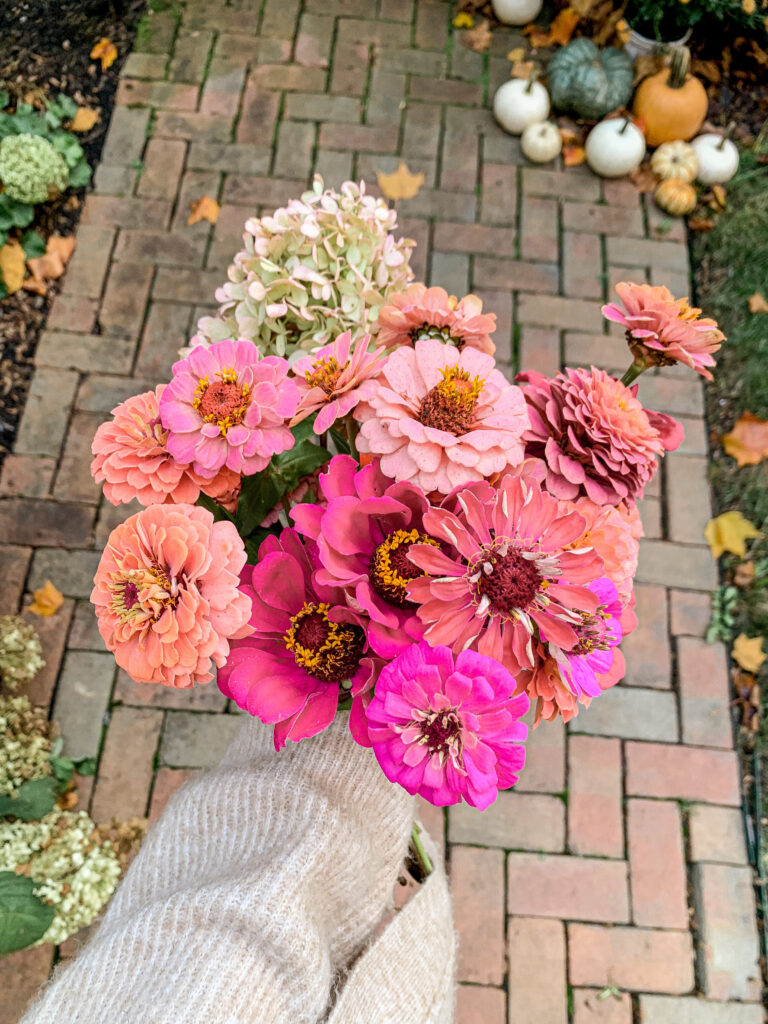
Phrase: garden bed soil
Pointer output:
(46, 46)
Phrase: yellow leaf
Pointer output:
(205, 208)
(748, 441)
(12, 260)
(728, 532)
(757, 304)
(401, 184)
(106, 52)
(84, 120)
(463, 20)
(516, 55)
(748, 652)
(719, 193)
(749, 6)
(51, 265)
(47, 600)
(523, 69)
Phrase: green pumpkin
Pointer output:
(589, 82)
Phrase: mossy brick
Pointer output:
(84, 634)
(192, 740)
(313, 40)
(279, 19)
(431, 29)
(184, 285)
(258, 115)
(234, 158)
(82, 700)
(380, 34)
(126, 136)
(223, 85)
(197, 126)
(114, 181)
(438, 204)
(144, 65)
(190, 56)
(450, 270)
(445, 90)
(498, 197)
(162, 95)
(73, 478)
(300, 106)
(244, 189)
(155, 32)
(349, 73)
(294, 151)
(460, 160)
(72, 571)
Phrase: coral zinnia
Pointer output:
(448, 729)
(302, 657)
(364, 533)
(132, 458)
(228, 406)
(662, 330)
(166, 594)
(421, 312)
(333, 382)
(594, 435)
(496, 586)
(442, 417)
(614, 533)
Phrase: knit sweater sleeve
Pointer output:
(253, 896)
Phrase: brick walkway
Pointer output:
(620, 858)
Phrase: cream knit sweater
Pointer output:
(256, 898)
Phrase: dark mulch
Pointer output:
(45, 50)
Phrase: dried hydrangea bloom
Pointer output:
(421, 312)
(21, 656)
(321, 265)
(27, 741)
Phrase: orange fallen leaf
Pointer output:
(748, 441)
(205, 208)
(757, 304)
(50, 266)
(477, 38)
(744, 574)
(105, 51)
(84, 120)
(748, 652)
(573, 156)
(559, 32)
(524, 69)
(12, 260)
(700, 223)
(401, 184)
(47, 600)
(29, 284)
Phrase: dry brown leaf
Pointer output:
(744, 574)
(477, 38)
(583, 7)
(709, 69)
(719, 193)
(748, 441)
(516, 55)
(757, 304)
(47, 600)
(30, 284)
(106, 52)
(400, 184)
(84, 119)
(647, 64)
(644, 179)
(522, 70)
(205, 208)
(573, 156)
(50, 266)
(559, 32)
(12, 272)
(748, 652)
(700, 223)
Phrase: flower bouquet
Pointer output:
(350, 510)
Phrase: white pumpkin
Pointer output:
(541, 142)
(520, 102)
(516, 12)
(718, 158)
(615, 147)
(675, 160)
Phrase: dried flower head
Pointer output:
(25, 743)
(21, 656)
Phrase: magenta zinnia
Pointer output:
(448, 729)
(491, 587)
(304, 655)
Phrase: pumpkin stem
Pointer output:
(679, 67)
(532, 78)
(728, 133)
(627, 122)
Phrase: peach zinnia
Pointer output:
(421, 312)
(166, 594)
(442, 417)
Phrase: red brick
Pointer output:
(646, 649)
(705, 691)
(433, 820)
(88, 267)
(515, 821)
(431, 27)
(632, 252)
(418, 231)
(27, 476)
(349, 74)
(500, 303)
(294, 151)
(676, 565)
(444, 90)
(688, 497)
(165, 331)
(167, 781)
(555, 311)
(73, 312)
(498, 196)
(357, 30)
(123, 783)
(144, 695)
(663, 1009)
(540, 349)
(125, 212)
(360, 137)
(514, 275)
(656, 864)
(53, 632)
(461, 155)
(725, 914)
(14, 564)
(638, 959)
(595, 815)
(537, 982)
(313, 42)
(603, 219)
(620, 192)
(539, 181)
(250, 190)
(538, 225)
(194, 126)
(125, 298)
(166, 95)
(421, 130)
(683, 773)
(595, 1006)
(439, 204)
(163, 163)
(570, 888)
(651, 517)
(223, 85)
(476, 1004)
(477, 886)
(21, 975)
(544, 770)
(457, 237)
(595, 350)
(45, 523)
(582, 266)
(304, 106)
(717, 834)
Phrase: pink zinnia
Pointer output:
(662, 330)
(492, 585)
(364, 532)
(448, 730)
(331, 382)
(614, 533)
(421, 312)
(166, 594)
(442, 417)
(594, 435)
(228, 406)
(303, 656)
(132, 458)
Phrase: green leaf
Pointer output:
(5, 98)
(32, 800)
(303, 459)
(14, 214)
(33, 244)
(79, 174)
(259, 496)
(86, 766)
(69, 148)
(24, 918)
(343, 446)
(214, 508)
(63, 769)
(3, 288)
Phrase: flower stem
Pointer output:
(351, 433)
(420, 854)
(633, 373)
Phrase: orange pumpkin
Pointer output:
(675, 196)
(672, 104)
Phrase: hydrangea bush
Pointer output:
(31, 169)
(21, 656)
(27, 741)
(321, 265)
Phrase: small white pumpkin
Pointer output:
(541, 142)
(516, 12)
(518, 103)
(675, 160)
(718, 158)
(615, 147)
